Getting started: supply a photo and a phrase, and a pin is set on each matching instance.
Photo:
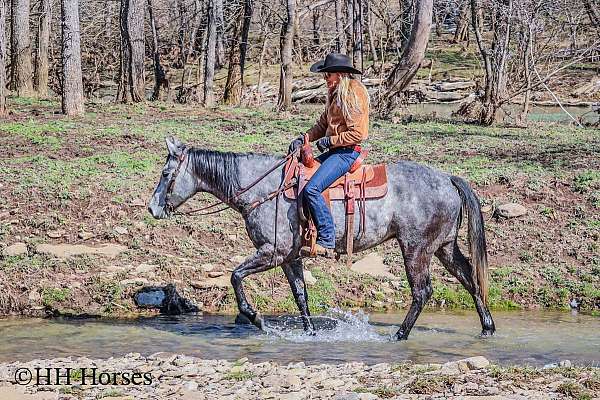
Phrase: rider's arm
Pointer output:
(319, 129)
(357, 124)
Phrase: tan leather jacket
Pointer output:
(342, 131)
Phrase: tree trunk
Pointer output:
(191, 45)
(3, 57)
(357, 45)
(232, 94)
(284, 101)
(592, 12)
(160, 78)
(132, 83)
(211, 48)
(494, 60)
(248, 11)
(340, 40)
(72, 90)
(349, 27)
(372, 48)
(219, 19)
(412, 56)
(21, 68)
(461, 34)
(40, 79)
(316, 22)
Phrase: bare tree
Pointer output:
(284, 101)
(211, 48)
(2, 57)
(131, 20)
(461, 34)
(233, 86)
(248, 11)
(494, 57)
(40, 79)
(21, 68)
(411, 58)
(72, 90)
(368, 21)
(160, 77)
(220, 21)
(340, 39)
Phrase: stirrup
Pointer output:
(319, 251)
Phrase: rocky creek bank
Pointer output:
(165, 375)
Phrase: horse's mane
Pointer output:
(219, 169)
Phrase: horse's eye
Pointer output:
(165, 174)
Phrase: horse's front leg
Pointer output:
(295, 276)
(259, 262)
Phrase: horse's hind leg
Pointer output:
(295, 276)
(416, 263)
(259, 262)
(458, 265)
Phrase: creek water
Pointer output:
(533, 338)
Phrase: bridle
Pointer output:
(182, 158)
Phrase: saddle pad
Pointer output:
(375, 186)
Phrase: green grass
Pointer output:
(50, 296)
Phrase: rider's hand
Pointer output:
(298, 142)
(324, 144)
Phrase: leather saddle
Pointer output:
(362, 183)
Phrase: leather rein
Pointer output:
(182, 158)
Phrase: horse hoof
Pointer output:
(401, 336)
(487, 333)
(259, 322)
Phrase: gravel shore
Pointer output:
(172, 376)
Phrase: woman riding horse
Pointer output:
(340, 129)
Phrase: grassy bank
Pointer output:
(85, 181)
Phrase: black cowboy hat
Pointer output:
(335, 62)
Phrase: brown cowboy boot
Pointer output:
(319, 251)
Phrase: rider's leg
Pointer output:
(336, 164)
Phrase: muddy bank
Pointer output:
(163, 375)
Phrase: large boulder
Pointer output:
(510, 210)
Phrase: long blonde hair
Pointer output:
(345, 94)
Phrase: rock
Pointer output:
(121, 230)
(165, 298)
(70, 250)
(215, 274)
(372, 265)
(137, 203)
(207, 267)
(332, 383)
(15, 249)
(450, 368)
(232, 238)
(478, 362)
(83, 235)
(309, 278)
(55, 234)
(510, 210)
(291, 382)
(565, 364)
(34, 296)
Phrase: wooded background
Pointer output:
(201, 50)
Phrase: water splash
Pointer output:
(335, 325)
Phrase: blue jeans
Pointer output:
(334, 163)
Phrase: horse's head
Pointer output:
(176, 184)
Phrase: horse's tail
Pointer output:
(476, 235)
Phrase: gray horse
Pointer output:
(422, 211)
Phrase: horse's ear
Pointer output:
(174, 145)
